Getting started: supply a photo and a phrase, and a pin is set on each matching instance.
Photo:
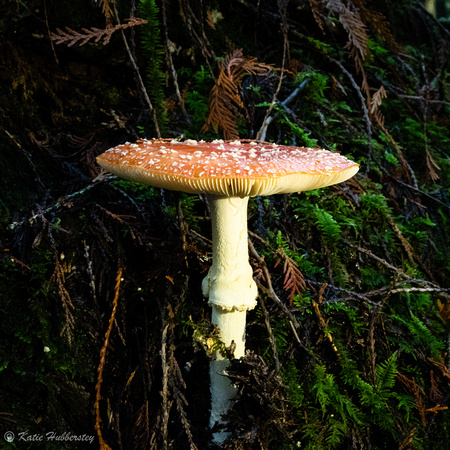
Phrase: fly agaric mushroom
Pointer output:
(228, 173)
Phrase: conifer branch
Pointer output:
(107, 11)
(353, 25)
(225, 100)
(71, 37)
(317, 11)
(59, 278)
(293, 282)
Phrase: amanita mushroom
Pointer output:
(228, 173)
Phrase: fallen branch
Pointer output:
(63, 201)
(268, 119)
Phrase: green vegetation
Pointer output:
(349, 342)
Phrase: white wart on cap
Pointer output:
(227, 168)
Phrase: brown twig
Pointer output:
(373, 356)
(103, 444)
(90, 271)
(170, 63)
(377, 258)
(359, 93)
(272, 339)
(269, 291)
(166, 404)
(49, 33)
(261, 135)
(321, 321)
(138, 76)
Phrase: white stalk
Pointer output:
(229, 283)
(231, 291)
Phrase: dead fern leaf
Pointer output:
(225, 100)
(141, 427)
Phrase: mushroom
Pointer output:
(228, 173)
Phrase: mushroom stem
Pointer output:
(229, 283)
(231, 291)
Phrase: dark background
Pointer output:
(83, 254)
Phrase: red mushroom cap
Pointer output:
(227, 168)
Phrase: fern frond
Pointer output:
(423, 333)
(325, 221)
(386, 374)
(321, 386)
(335, 433)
